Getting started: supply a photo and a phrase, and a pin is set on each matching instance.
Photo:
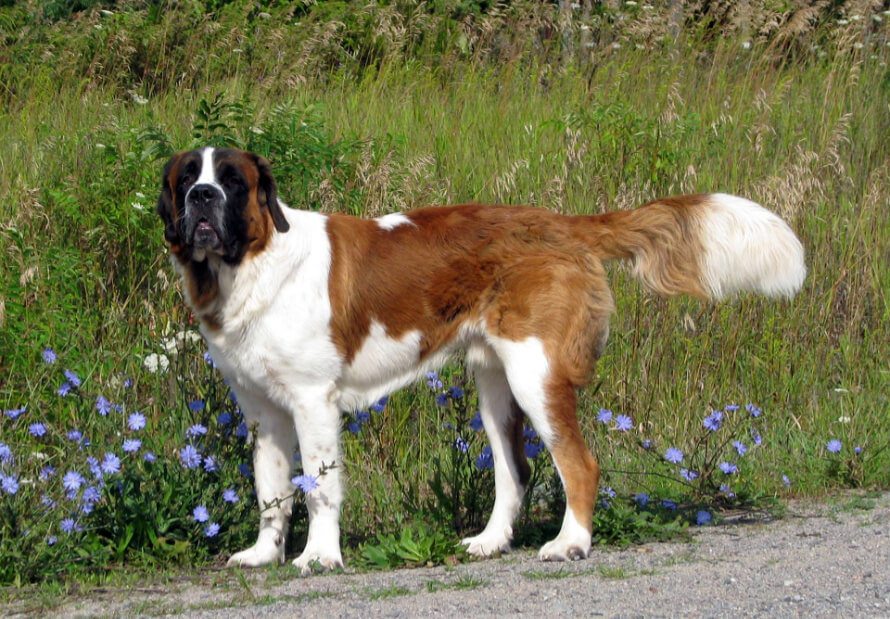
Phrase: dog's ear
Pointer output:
(165, 204)
(268, 194)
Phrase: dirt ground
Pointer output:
(823, 558)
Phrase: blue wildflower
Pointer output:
(669, 504)
(703, 517)
(210, 464)
(740, 447)
(196, 406)
(834, 446)
(47, 472)
(528, 433)
(195, 431)
(786, 481)
(241, 430)
(73, 379)
(95, 469)
(608, 491)
(211, 529)
(230, 496)
(857, 450)
(190, 457)
(74, 435)
(753, 410)
(604, 415)
(132, 445)
(111, 464)
(442, 399)
(647, 444)
(91, 494)
(224, 419)
(476, 421)
(128, 382)
(485, 459)
(379, 405)
(72, 481)
(725, 489)
(5, 453)
(461, 445)
(532, 449)
(456, 393)
(136, 421)
(244, 469)
(209, 360)
(688, 475)
(200, 514)
(149, 457)
(728, 468)
(306, 483)
(642, 499)
(15, 413)
(755, 436)
(9, 483)
(623, 423)
(432, 379)
(68, 525)
(37, 429)
(103, 405)
(731, 408)
(673, 455)
(51, 540)
(64, 389)
(49, 356)
(713, 421)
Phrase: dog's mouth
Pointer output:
(206, 236)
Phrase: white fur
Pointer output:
(746, 247)
(573, 541)
(393, 220)
(208, 173)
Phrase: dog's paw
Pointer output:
(487, 544)
(312, 561)
(565, 550)
(257, 555)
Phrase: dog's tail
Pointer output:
(707, 245)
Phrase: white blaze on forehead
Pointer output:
(208, 172)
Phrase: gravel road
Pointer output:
(826, 558)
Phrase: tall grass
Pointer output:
(371, 112)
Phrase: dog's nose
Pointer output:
(204, 194)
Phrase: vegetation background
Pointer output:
(375, 107)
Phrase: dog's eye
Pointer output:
(233, 182)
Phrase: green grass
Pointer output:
(368, 124)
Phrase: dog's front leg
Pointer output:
(317, 420)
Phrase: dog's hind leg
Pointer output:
(503, 420)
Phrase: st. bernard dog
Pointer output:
(308, 315)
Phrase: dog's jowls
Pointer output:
(309, 314)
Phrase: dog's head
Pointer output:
(220, 202)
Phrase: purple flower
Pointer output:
(136, 421)
(208, 359)
(73, 379)
(673, 455)
(713, 421)
(528, 433)
(49, 355)
(432, 379)
(5, 454)
(740, 447)
(731, 408)
(485, 460)
(241, 430)
(132, 445)
(224, 419)
(755, 436)
(442, 399)
(623, 423)
(703, 517)
(728, 468)
(47, 472)
(834, 446)
(51, 540)
(244, 469)
(476, 422)
(200, 514)
(379, 405)
(647, 444)
(532, 449)
(111, 464)
(604, 415)
(15, 413)
(461, 445)
(688, 475)
(103, 405)
(149, 457)
(210, 464)
(72, 481)
(608, 491)
(68, 525)
(37, 429)
(128, 382)
(95, 469)
(9, 483)
(190, 457)
(91, 494)
(74, 435)
(196, 406)
(642, 499)
(753, 410)
(64, 389)
(306, 483)
(725, 489)
(211, 529)
(195, 431)
(456, 393)
(230, 496)
(857, 450)
(786, 481)
(669, 504)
